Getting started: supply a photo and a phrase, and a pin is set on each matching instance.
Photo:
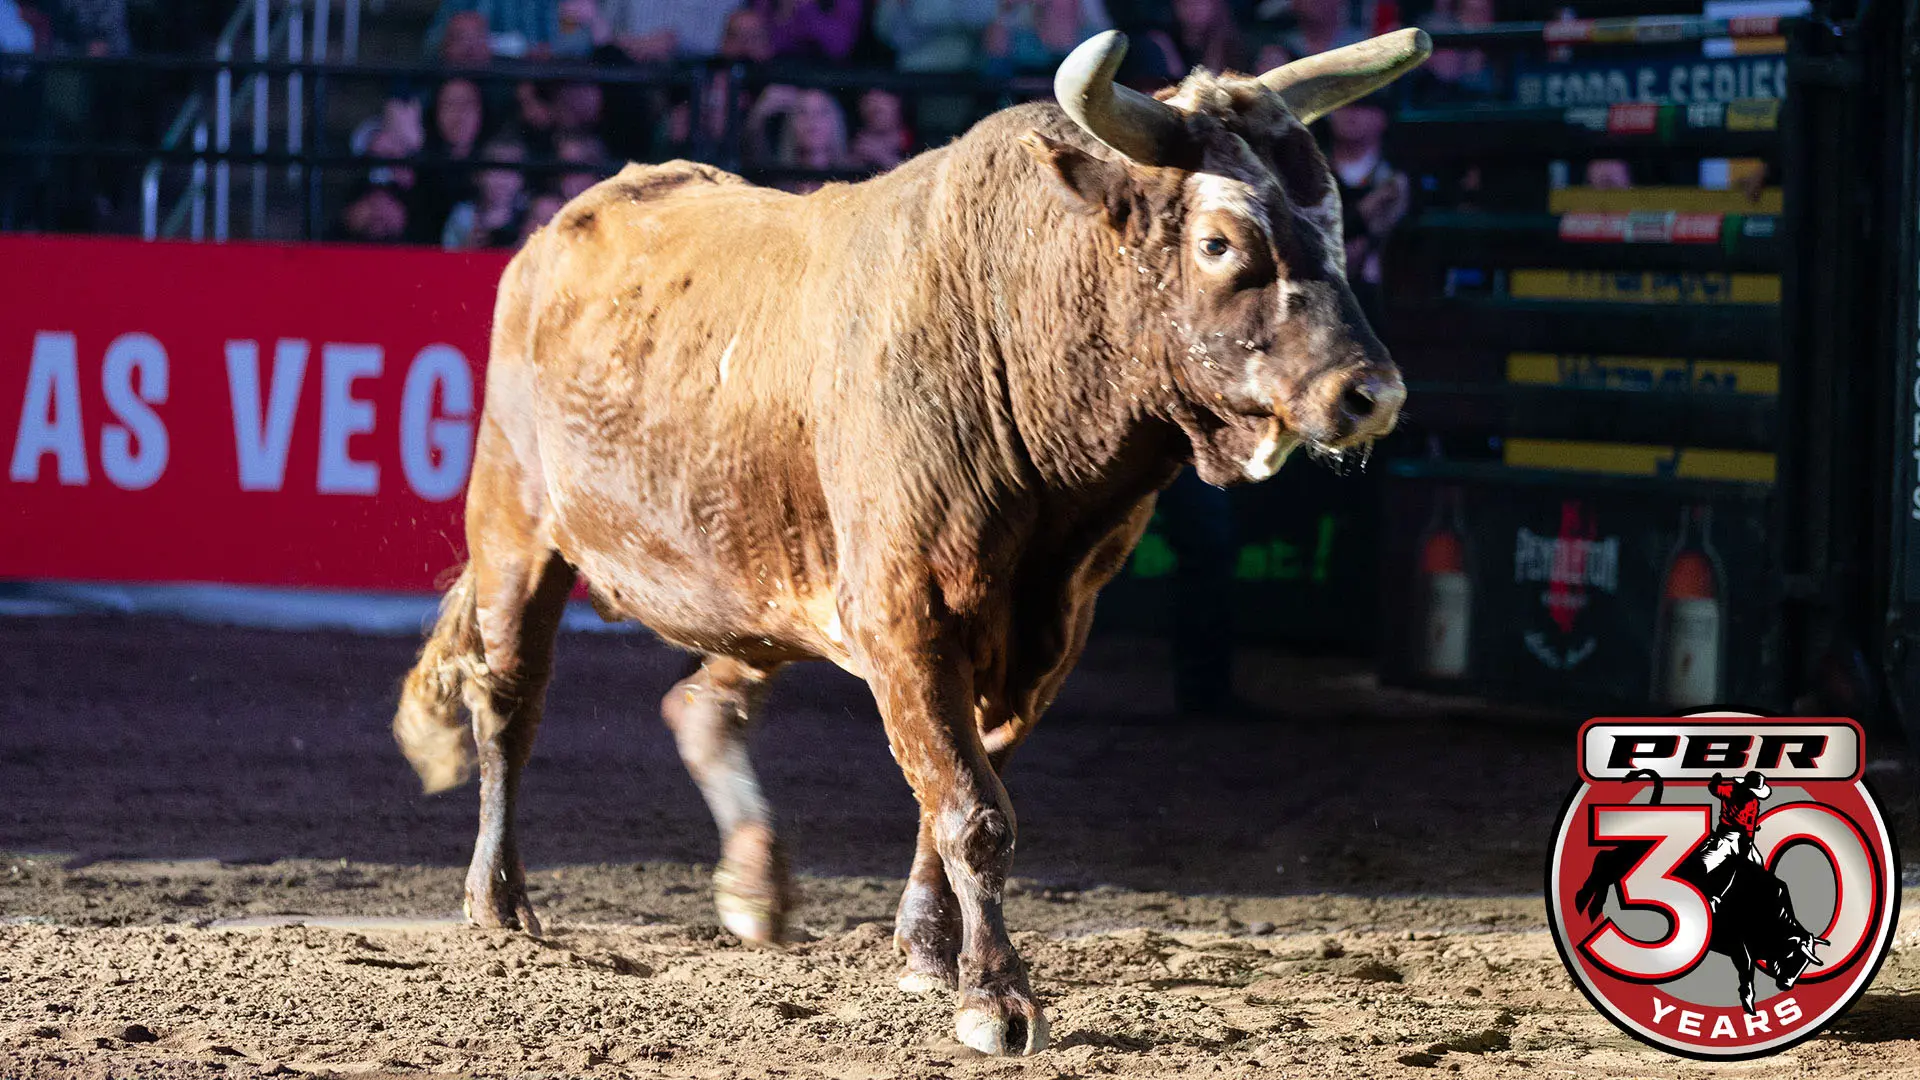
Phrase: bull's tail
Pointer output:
(429, 724)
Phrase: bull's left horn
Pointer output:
(1314, 86)
(1136, 125)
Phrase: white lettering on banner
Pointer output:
(132, 357)
(450, 435)
(261, 433)
(50, 414)
(342, 416)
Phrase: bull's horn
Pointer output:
(1314, 86)
(1136, 125)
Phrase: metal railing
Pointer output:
(303, 32)
(202, 145)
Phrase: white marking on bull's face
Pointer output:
(1271, 453)
(726, 357)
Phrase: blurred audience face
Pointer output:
(457, 114)
(818, 129)
(577, 106)
(1359, 125)
(500, 187)
(580, 150)
(1200, 17)
(880, 111)
(746, 38)
(466, 43)
(1609, 174)
(1320, 15)
(1271, 56)
(379, 215)
(1475, 12)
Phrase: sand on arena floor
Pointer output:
(221, 868)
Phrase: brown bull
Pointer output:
(910, 426)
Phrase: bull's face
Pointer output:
(1229, 227)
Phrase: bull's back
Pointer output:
(645, 348)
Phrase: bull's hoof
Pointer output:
(916, 981)
(508, 909)
(748, 919)
(750, 886)
(1002, 1027)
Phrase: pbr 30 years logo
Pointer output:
(1722, 885)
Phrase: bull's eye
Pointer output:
(1214, 246)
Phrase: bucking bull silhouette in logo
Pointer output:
(1753, 920)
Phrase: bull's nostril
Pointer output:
(1357, 402)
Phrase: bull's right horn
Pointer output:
(1130, 122)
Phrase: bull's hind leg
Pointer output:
(520, 603)
(709, 712)
(520, 587)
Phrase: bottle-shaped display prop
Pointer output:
(1692, 628)
(1448, 590)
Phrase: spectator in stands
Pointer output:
(16, 32)
(934, 35)
(374, 214)
(396, 133)
(812, 132)
(459, 115)
(93, 27)
(746, 40)
(1373, 194)
(883, 140)
(1318, 25)
(1035, 35)
(465, 41)
(540, 210)
(518, 27)
(1204, 35)
(443, 178)
(1456, 74)
(747, 37)
(492, 217)
(810, 29)
(650, 31)
(579, 148)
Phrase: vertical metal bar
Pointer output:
(222, 143)
(315, 209)
(150, 203)
(350, 30)
(199, 183)
(296, 97)
(262, 35)
(321, 10)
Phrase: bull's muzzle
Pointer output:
(1369, 405)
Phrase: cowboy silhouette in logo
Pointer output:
(1752, 913)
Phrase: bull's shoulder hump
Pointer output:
(637, 187)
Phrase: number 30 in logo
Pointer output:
(1722, 886)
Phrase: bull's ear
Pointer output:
(1095, 184)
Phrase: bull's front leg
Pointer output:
(923, 682)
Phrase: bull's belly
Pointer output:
(695, 600)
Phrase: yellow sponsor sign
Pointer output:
(1642, 373)
(1753, 114)
(1634, 459)
(1574, 200)
(1644, 287)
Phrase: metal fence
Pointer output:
(183, 171)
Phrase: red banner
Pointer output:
(238, 413)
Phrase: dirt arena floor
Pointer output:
(218, 867)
